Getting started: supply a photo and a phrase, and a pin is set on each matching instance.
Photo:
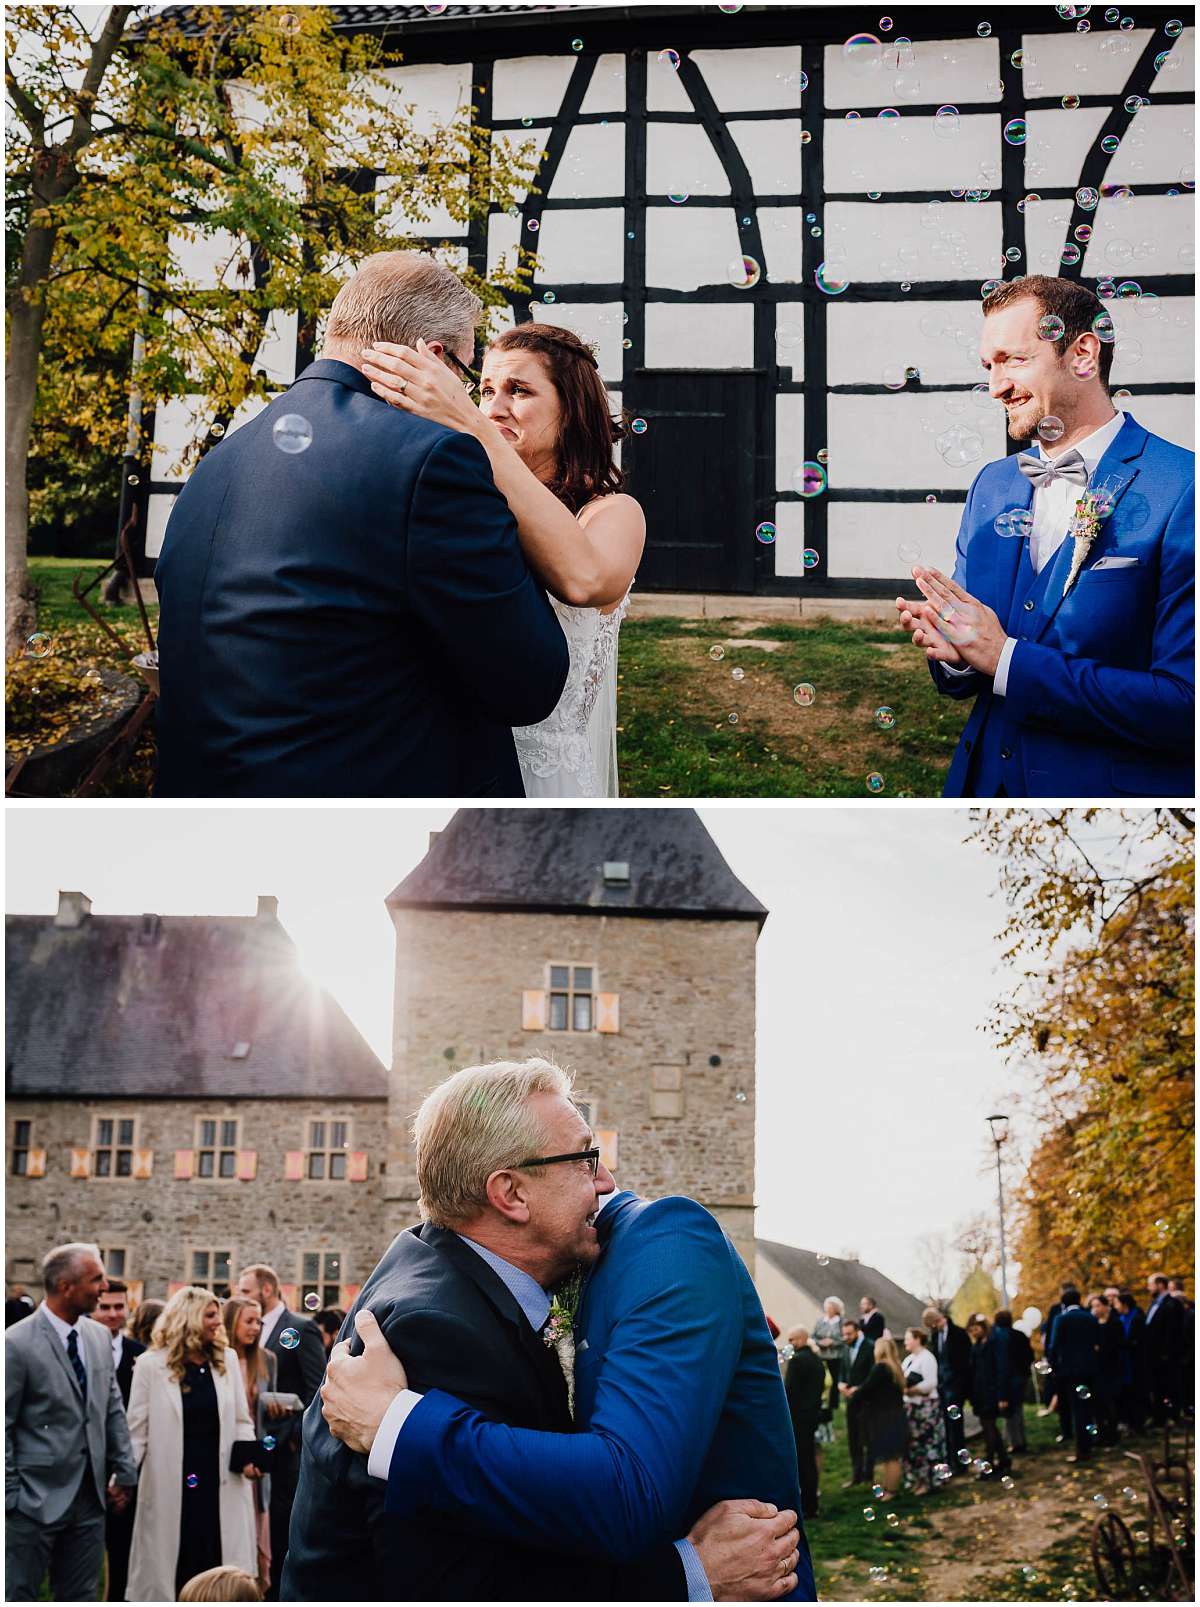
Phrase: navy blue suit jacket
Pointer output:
(353, 620)
(1101, 687)
(1074, 1348)
(679, 1404)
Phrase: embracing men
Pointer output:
(1071, 615)
(496, 1449)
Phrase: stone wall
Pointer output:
(686, 996)
(159, 1220)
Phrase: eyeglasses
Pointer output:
(469, 374)
(591, 1156)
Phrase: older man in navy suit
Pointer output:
(1070, 619)
(346, 610)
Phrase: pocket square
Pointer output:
(1113, 562)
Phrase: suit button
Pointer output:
(1005, 753)
(1029, 605)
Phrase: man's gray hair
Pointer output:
(474, 1124)
(403, 296)
(61, 1265)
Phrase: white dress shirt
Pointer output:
(118, 1340)
(270, 1322)
(64, 1330)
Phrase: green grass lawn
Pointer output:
(677, 737)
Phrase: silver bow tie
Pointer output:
(1042, 471)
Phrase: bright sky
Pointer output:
(874, 970)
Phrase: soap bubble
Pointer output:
(1173, 28)
(738, 674)
(669, 58)
(878, 1574)
(1100, 1501)
(828, 281)
(893, 377)
(1109, 144)
(1016, 522)
(869, 1514)
(639, 426)
(909, 552)
(1102, 326)
(877, 1491)
(1008, 1483)
(1042, 1368)
(289, 1339)
(731, 10)
(822, 1259)
(743, 273)
(292, 433)
(942, 1472)
(312, 1301)
(810, 479)
(1070, 254)
(823, 455)
(1015, 131)
(39, 645)
(892, 1519)
(549, 297)
(533, 225)
(959, 446)
(1050, 428)
(1083, 232)
(885, 718)
(811, 557)
(875, 784)
(435, 10)
(766, 532)
(862, 53)
(964, 1456)
(1029, 1575)
(218, 430)
(192, 1481)
(1018, 59)
(1083, 1392)
(1050, 327)
(733, 720)
(716, 653)
(954, 1413)
(1070, 103)
(677, 197)
(988, 286)
(576, 44)
(805, 694)
(269, 1442)
(1088, 198)
(945, 122)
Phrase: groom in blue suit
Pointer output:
(1077, 645)
(345, 607)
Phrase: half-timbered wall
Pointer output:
(884, 170)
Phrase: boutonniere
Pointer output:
(1093, 507)
(559, 1331)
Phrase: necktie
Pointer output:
(1070, 466)
(73, 1353)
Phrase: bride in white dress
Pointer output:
(544, 421)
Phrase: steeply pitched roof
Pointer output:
(848, 1280)
(126, 1006)
(191, 18)
(554, 859)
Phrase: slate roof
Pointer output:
(190, 18)
(553, 860)
(848, 1280)
(153, 1007)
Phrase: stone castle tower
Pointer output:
(616, 942)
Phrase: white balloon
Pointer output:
(1032, 1316)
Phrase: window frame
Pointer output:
(218, 1149)
(323, 1283)
(15, 1149)
(208, 1280)
(106, 1256)
(327, 1151)
(572, 994)
(114, 1148)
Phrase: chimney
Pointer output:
(268, 908)
(73, 909)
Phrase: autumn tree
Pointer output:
(194, 180)
(1101, 930)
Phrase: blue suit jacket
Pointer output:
(679, 1404)
(1075, 1343)
(1101, 687)
(354, 620)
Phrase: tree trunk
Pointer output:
(27, 312)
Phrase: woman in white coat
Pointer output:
(187, 1412)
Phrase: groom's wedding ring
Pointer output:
(401, 384)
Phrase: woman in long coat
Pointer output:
(187, 1412)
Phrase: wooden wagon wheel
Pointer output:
(1113, 1557)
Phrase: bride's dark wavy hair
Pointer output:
(587, 430)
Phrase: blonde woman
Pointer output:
(187, 1414)
(831, 1347)
(260, 1366)
(878, 1403)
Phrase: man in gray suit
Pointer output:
(64, 1430)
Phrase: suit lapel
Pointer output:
(1008, 550)
(58, 1349)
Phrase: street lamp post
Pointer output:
(999, 1127)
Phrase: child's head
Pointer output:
(222, 1584)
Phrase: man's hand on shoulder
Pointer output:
(359, 1389)
(748, 1550)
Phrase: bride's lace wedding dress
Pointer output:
(573, 754)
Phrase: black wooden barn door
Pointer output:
(693, 473)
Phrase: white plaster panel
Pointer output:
(877, 240)
(789, 540)
(789, 337)
(937, 71)
(522, 142)
(789, 439)
(1148, 234)
(1178, 73)
(679, 335)
(176, 424)
(1172, 417)
(865, 538)
(530, 86)
(606, 92)
(206, 261)
(782, 229)
(889, 441)
(504, 236)
(1160, 144)
(599, 323)
(433, 93)
(593, 163)
(581, 247)
(277, 354)
(158, 511)
(908, 153)
(614, 406)
(680, 158)
(771, 152)
(1046, 224)
(1156, 339)
(247, 104)
(399, 219)
(1057, 143)
(752, 79)
(941, 338)
(1070, 63)
(685, 250)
